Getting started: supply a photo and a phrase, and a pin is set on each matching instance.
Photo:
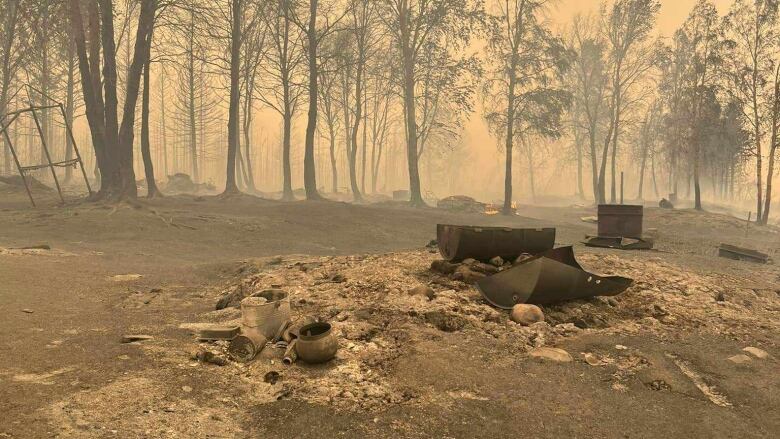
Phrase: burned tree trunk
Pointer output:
(69, 109)
(151, 184)
(309, 168)
(235, 59)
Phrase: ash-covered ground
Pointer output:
(690, 349)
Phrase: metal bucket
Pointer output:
(620, 220)
(266, 316)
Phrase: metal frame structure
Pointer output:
(32, 109)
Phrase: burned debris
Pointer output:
(457, 243)
(620, 227)
(550, 277)
(742, 254)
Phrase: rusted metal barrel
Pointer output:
(620, 220)
(483, 243)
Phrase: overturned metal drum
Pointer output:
(483, 243)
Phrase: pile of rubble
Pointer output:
(461, 203)
(381, 306)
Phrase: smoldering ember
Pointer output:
(389, 219)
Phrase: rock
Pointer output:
(566, 329)
(740, 359)
(423, 290)
(206, 356)
(498, 261)
(469, 261)
(186, 389)
(720, 297)
(483, 268)
(520, 259)
(28, 311)
(338, 278)
(443, 267)
(756, 352)
(526, 314)
(592, 359)
(552, 354)
(465, 274)
(461, 203)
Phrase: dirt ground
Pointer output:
(651, 362)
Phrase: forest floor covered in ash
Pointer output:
(665, 358)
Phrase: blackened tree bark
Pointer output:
(309, 167)
(69, 106)
(151, 185)
(233, 108)
(113, 142)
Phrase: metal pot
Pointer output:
(316, 343)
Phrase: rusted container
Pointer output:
(620, 220)
(266, 311)
(483, 243)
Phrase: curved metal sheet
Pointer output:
(553, 276)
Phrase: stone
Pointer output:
(756, 352)
(483, 268)
(186, 389)
(740, 359)
(498, 261)
(592, 359)
(551, 354)
(443, 267)
(526, 314)
(465, 274)
(338, 278)
(423, 290)
(206, 356)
